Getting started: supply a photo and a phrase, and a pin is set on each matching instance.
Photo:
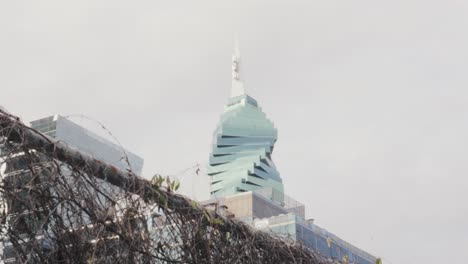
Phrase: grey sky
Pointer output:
(370, 99)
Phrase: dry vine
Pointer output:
(62, 206)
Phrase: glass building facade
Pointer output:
(325, 243)
(287, 220)
(241, 157)
(80, 138)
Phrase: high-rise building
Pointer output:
(246, 185)
(242, 146)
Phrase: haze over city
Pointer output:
(369, 99)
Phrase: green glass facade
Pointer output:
(241, 157)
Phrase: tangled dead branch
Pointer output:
(61, 206)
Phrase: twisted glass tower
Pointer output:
(242, 146)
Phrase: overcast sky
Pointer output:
(369, 97)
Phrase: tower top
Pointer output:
(237, 85)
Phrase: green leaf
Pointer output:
(160, 180)
(216, 221)
(207, 215)
(168, 181)
(162, 201)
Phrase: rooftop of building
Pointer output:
(76, 136)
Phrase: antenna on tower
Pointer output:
(237, 84)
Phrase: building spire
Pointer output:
(237, 84)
